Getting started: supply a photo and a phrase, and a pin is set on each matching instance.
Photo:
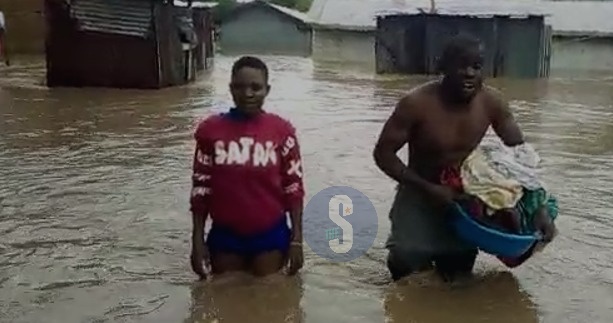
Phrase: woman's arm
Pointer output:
(293, 186)
(199, 205)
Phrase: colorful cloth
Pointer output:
(480, 179)
(530, 204)
(519, 163)
(504, 205)
(247, 171)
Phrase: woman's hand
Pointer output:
(199, 258)
(295, 257)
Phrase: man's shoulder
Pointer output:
(494, 102)
(416, 96)
(492, 94)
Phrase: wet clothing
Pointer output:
(479, 179)
(422, 236)
(507, 195)
(532, 202)
(247, 173)
(223, 239)
(491, 177)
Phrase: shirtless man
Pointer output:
(442, 121)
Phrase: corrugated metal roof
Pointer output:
(124, 17)
(473, 8)
(582, 18)
(294, 14)
(196, 4)
(361, 14)
(291, 12)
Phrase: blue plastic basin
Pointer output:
(491, 240)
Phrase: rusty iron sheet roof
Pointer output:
(123, 17)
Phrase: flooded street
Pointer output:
(94, 221)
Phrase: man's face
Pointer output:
(465, 73)
(249, 88)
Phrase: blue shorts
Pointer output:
(224, 240)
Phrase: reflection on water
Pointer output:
(243, 299)
(93, 204)
(496, 297)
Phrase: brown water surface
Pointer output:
(94, 197)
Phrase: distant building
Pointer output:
(344, 30)
(258, 27)
(119, 43)
(582, 37)
(516, 40)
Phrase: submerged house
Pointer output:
(344, 30)
(516, 40)
(119, 43)
(259, 27)
(202, 21)
(582, 37)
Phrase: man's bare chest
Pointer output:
(448, 132)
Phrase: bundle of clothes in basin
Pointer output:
(501, 190)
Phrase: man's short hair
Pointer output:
(458, 45)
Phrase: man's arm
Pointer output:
(502, 120)
(394, 135)
(291, 174)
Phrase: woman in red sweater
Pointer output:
(247, 176)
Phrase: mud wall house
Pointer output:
(582, 37)
(258, 27)
(516, 40)
(117, 43)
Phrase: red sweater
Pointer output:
(247, 173)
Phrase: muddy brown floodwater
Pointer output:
(94, 222)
